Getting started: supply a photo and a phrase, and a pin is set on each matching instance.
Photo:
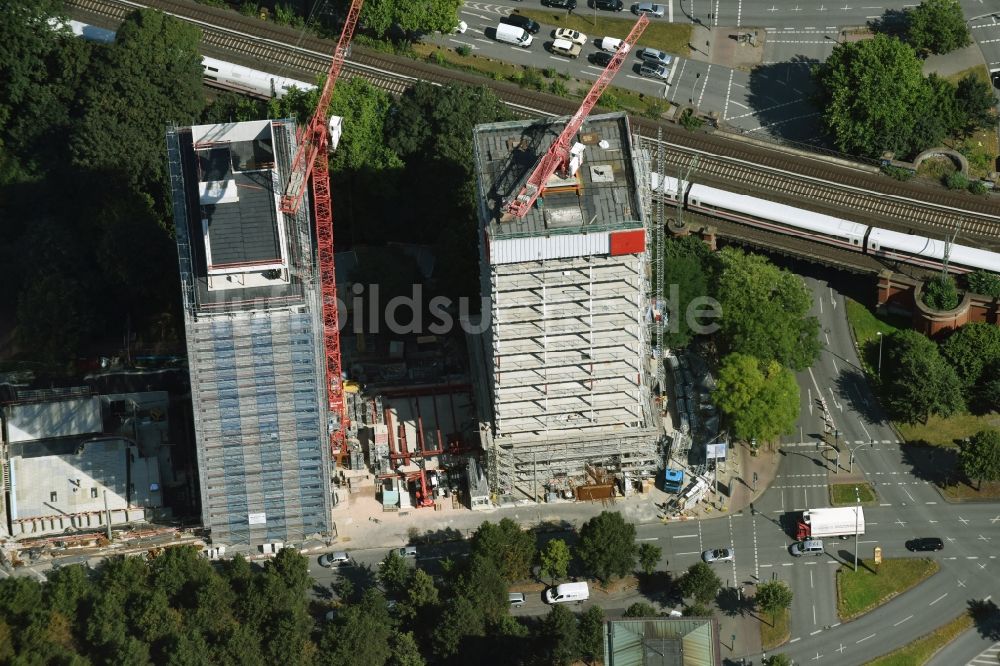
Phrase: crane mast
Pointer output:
(558, 153)
(311, 162)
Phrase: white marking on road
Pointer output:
(799, 638)
(811, 585)
(729, 90)
(903, 620)
(787, 564)
(841, 649)
(908, 494)
(982, 538)
(961, 583)
(994, 520)
(813, 633)
(883, 504)
(649, 539)
(931, 503)
(901, 523)
(972, 557)
(693, 552)
(685, 536)
(866, 638)
(670, 11)
(938, 599)
(964, 521)
(704, 85)
(739, 13)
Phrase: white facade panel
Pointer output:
(537, 248)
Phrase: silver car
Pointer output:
(648, 8)
(516, 599)
(657, 58)
(336, 559)
(654, 71)
(718, 555)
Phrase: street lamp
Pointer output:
(871, 442)
(857, 510)
(879, 334)
(697, 76)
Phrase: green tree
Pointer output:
(511, 548)
(359, 635)
(700, 582)
(364, 109)
(970, 350)
(987, 395)
(916, 380)
(591, 633)
(773, 597)
(560, 636)
(482, 583)
(554, 558)
(688, 271)
(758, 400)
(937, 26)
(459, 619)
(975, 97)
(420, 593)
(983, 282)
(778, 660)
(151, 76)
(765, 311)
(606, 546)
(649, 557)
(941, 292)
(404, 650)
(980, 456)
(393, 573)
(697, 609)
(872, 92)
(414, 19)
(941, 113)
(641, 609)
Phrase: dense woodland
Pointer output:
(84, 204)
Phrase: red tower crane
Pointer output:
(558, 153)
(311, 161)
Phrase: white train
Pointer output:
(218, 73)
(827, 229)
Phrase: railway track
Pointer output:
(737, 165)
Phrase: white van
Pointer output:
(560, 594)
(513, 35)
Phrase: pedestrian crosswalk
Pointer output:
(857, 441)
(990, 656)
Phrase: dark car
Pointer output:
(521, 22)
(610, 5)
(926, 543)
(560, 4)
(601, 58)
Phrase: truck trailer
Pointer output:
(820, 523)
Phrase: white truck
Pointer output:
(820, 523)
(513, 35)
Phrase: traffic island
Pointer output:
(921, 651)
(842, 494)
(775, 631)
(874, 584)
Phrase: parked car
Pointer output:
(335, 559)
(559, 4)
(610, 5)
(516, 599)
(925, 543)
(460, 28)
(564, 47)
(570, 35)
(718, 555)
(407, 551)
(521, 22)
(600, 58)
(610, 44)
(659, 58)
(658, 72)
(649, 8)
(807, 547)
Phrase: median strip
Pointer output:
(874, 584)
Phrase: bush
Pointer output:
(983, 282)
(558, 88)
(463, 50)
(610, 101)
(655, 108)
(956, 180)
(549, 73)
(941, 293)
(689, 121)
(978, 187)
(437, 58)
(531, 78)
(899, 173)
(248, 8)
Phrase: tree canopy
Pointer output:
(758, 400)
(606, 547)
(381, 17)
(937, 26)
(511, 548)
(983, 282)
(970, 350)
(916, 379)
(765, 311)
(649, 557)
(872, 93)
(554, 558)
(980, 456)
(688, 272)
(773, 597)
(700, 582)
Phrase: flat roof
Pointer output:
(600, 196)
(33, 421)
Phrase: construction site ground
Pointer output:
(362, 523)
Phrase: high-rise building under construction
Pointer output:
(252, 320)
(566, 357)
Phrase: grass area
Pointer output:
(943, 432)
(670, 37)
(772, 637)
(866, 326)
(549, 79)
(936, 168)
(871, 586)
(920, 651)
(842, 494)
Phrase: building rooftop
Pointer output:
(32, 421)
(675, 641)
(599, 196)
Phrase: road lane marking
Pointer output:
(811, 585)
(795, 639)
(813, 633)
(787, 564)
(908, 494)
(930, 502)
(814, 615)
(649, 539)
(729, 90)
(866, 638)
(902, 621)
(964, 521)
(693, 552)
(685, 536)
(938, 599)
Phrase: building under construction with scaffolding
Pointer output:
(565, 361)
(252, 321)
